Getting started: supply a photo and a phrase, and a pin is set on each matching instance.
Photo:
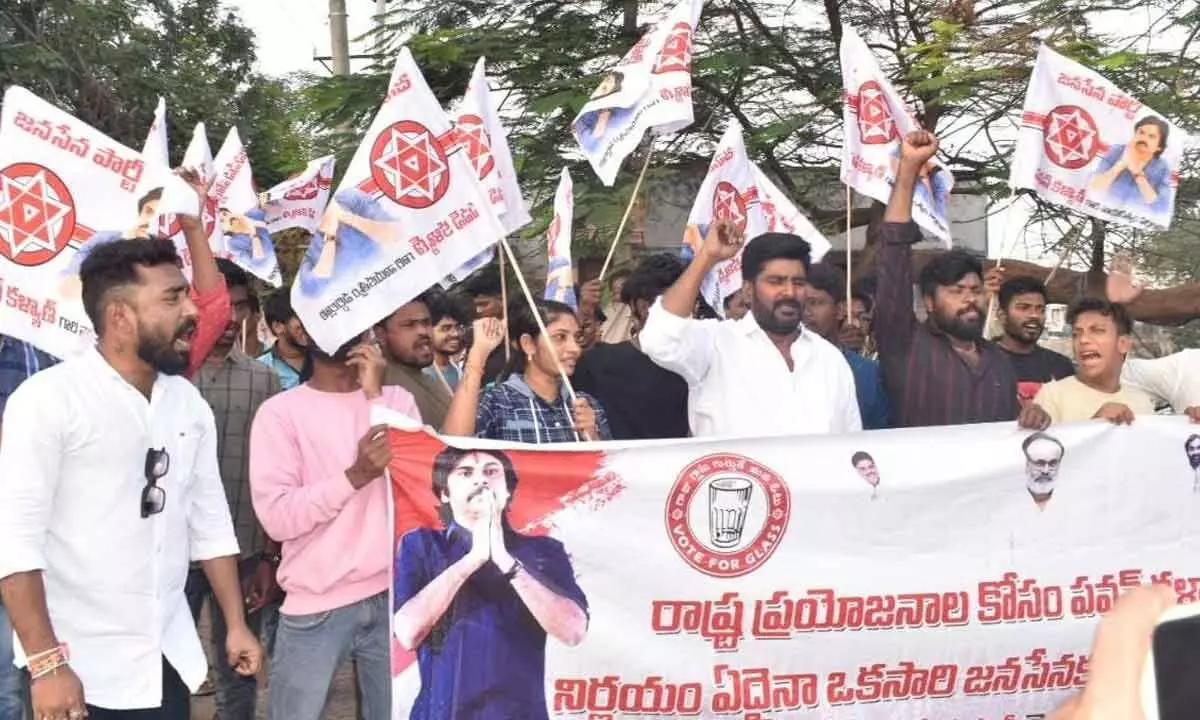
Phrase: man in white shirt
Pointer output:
(761, 375)
(109, 486)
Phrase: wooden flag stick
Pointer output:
(537, 316)
(991, 323)
(849, 258)
(625, 218)
(504, 306)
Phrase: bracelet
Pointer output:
(47, 661)
(51, 670)
(512, 571)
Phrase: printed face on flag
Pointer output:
(299, 202)
(876, 119)
(409, 211)
(65, 188)
(1088, 146)
(560, 270)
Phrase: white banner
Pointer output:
(735, 189)
(64, 187)
(155, 149)
(177, 197)
(875, 120)
(845, 577)
(1086, 145)
(409, 211)
(649, 89)
(299, 202)
(470, 266)
(560, 271)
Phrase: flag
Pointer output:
(1088, 146)
(243, 236)
(649, 89)
(298, 202)
(408, 212)
(736, 190)
(876, 120)
(155, 147)
(560, 273)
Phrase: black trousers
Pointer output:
(176, 702)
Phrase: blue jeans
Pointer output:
(310, 648)
(12, 700)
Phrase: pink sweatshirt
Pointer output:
(336, 540)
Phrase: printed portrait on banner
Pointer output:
(248, 243)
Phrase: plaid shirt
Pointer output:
(511, 412)
(18, 361)
(235, 387)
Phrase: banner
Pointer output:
(649, 89)
(1086, 145)
(875, 120)
(409, 211)
(837, 577)
(64, 187)
(464, 271)
(299, 201)
(735, 189)
(177, 197)
(560, 271)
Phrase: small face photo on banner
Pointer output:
(865, 465)
(1043, 459)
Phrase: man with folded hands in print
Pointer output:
(477, 599)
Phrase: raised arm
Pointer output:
(488, 334)
(213, 309)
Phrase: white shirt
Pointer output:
(72, 470)
(739, 385)
(1174, 379)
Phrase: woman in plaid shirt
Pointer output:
(528, 404)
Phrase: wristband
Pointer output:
(512, 571)
(46, 662)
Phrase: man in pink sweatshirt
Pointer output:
(316, 477)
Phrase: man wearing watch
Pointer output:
(477, 599)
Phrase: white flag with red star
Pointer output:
(649, 89)
(737, 191)
(1086, 145)
(409, 211)
(65, 187)
(875, 120)
(560, 271)
(299, 201)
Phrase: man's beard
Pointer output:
(768, 320)
(958, 326)
(1041, 483)
(160, 353)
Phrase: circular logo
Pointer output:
(728, 204)
(409, 165)
(727, 514)
(875, 123)
(169, 225)
(1070, 137)
(473, 135)
(37, 214)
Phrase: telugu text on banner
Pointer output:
(845, 577)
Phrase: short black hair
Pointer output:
(827, 279)
(867, 301)
(485, 282)
(153, 196)
(947, 269)
(1042, 436)
(773, 246)
(424, 298)
(114, 265)
(235, 276)
(445, 462)
(859, 456)
(445, 305)
(866, 287)
(1163, 131)
(278, 307)
(1020, 285)
(1107, 308)
(653, 275)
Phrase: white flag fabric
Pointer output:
(917, 574)
(408, 212)
(65, 188)
(300, 201)
(560, 271)
(876, 119)
(486, 142)
(1088, 146)
(233, 182)
(649, 89)
(470, 266)
(155, 149)
(736, 190)
(243, 236)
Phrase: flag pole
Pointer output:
(504, 305)
(991, 322)
(849, 259)
(612, 248)
(537, 316)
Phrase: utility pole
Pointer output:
(339, 41)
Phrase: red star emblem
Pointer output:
(676, 54)
(1071, 137)
(409, 165)
(875, 124)
(473, 135)
(37, 214)
(728, 204)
